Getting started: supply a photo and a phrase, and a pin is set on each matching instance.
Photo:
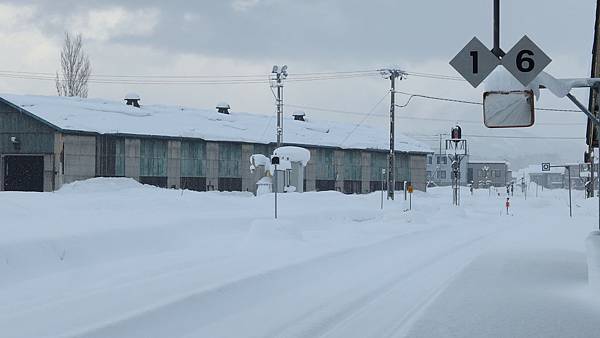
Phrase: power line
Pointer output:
(265, 75)
(365, 118)
(193, 79)
(433, 119)
(437, 98)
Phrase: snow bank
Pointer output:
(593, 260)
(102, 184)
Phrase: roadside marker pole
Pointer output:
(382, 177)
(276, 188)
(570, 202)
(275, 162)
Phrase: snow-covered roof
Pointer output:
(109, 117)
(223, 105)
(132, 96)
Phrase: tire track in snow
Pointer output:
(322, 321)
(215, 311)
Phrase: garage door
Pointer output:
(24, 173)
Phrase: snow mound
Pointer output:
(100, 184)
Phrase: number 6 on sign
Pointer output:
(525, 61)
(521, 59)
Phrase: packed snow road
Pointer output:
(112, 258)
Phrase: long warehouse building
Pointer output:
(46, 142)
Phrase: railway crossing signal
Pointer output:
(524, 61)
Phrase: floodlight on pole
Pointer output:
(278, 75)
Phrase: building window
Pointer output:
(430, 159)
(441, 174)
(352, 187)
(230, 184)
(193, 183)
(324, 185)
(157, 181)
(444, 160)
(497, 173)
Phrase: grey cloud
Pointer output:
(347, 30)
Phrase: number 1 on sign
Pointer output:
(475, 61)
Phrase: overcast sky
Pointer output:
(237, 37)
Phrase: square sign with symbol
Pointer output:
(525, 61)
(545, 166)
(475, 62)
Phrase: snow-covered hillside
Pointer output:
(113, 258)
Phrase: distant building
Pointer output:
(46, 142)
(552, 179)
(486, 173)
(439, 170)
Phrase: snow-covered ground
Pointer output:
(112, 258)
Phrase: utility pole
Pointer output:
(392, 74)
(277, 76)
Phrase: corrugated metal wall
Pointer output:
(34, 137)
(153, 157)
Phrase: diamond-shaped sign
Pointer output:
(545, 166)
(475, 62)
(525, 61)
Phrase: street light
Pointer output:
(278, 75)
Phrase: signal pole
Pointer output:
(392, 74)
(593, 101)
(278, 75)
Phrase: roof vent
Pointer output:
(299, 116)
(223, 107)
(132, 99)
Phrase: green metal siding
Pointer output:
(193, 159)
(153, 157)
(34, 136)
(230, 156)
(352, 165)
(263, 149)
(324, 167)
(378, 161)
